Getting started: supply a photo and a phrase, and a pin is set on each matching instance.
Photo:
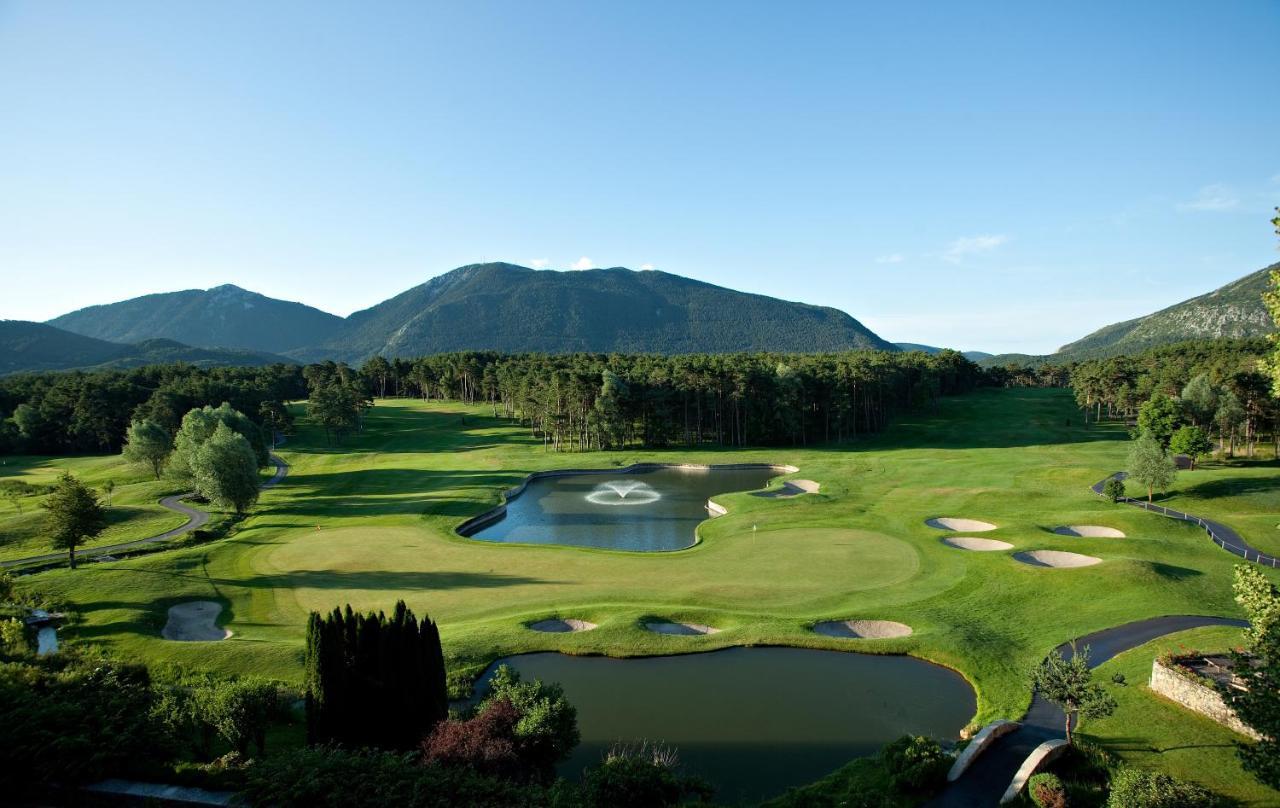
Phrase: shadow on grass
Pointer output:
(1174, 573)
(334, 579)
(1233, 487)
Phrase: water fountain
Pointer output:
(623, 492)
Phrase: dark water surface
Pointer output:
(754, 721)
(645, 510)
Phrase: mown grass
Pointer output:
(372, 521)
(1151, 732)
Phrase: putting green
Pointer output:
(368, 567)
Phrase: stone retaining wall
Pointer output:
(1197, 697)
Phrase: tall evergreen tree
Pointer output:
(373, 680)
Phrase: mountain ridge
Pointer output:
(1233, 310)
(224, 316)
(490, 306)
(27, 346)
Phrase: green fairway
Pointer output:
(373, 520)
(1151, 732)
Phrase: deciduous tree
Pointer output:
(225, 471)
(1192, 442)
(73, 515)
(147, 443)
(1150, 465)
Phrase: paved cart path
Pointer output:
(195, 519)
(986, 780)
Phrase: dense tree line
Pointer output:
(1216, 386)
(337, 398)
(594, 401)
(77, 412)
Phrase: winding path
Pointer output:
(195, 519)
(985, 781)
(1226, 538)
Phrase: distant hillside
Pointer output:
(972, 356)
(27, 346)
(1234, 310)
(222, 317)
(503, 307)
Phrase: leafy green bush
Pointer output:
(1113, 489)
(917, 765)
(547, 729)
(1133, 788)
(1047, 791)
(643, 777)
(71, 720)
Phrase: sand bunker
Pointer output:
(977, 545)
(792, 488)
(1089, 531)
(681, 629)
(863, 629)
(1056, 558)
(558, 626)
(194, 622)
(962, 525)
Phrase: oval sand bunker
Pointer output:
(862, 629)
(194, 622)
(1089, 531)
(680, 629)
(558, 626)
(962, 525)
(1056, 558)
(976, 545)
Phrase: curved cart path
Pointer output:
(195, 519)
(1226, 538)
(986, 780)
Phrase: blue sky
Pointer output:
(998, 176)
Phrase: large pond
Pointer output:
(648, 511)
(754, 721)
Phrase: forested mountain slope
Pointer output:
(27, 346)
(223, 317)
(503, 307)
(1235, 310)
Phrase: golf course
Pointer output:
(374, 519)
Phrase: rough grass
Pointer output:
(1151, 732)
(372, 521)
(134, 512)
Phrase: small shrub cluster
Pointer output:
(645, 776)
(1133, 788)
(1047, 791)
(521, 730)
(916, 765)
(1113, 489)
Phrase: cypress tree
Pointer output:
(373, 680)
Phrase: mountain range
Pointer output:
(504, 307)
(28, 346)
(498, 307)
